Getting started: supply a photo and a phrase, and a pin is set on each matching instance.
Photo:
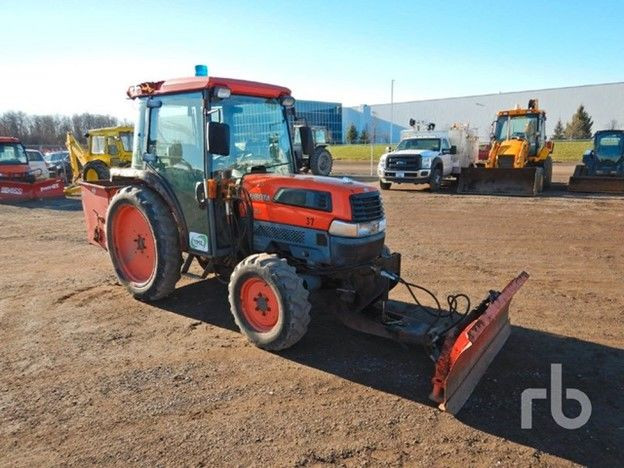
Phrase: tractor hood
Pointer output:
(301, 200)
(509, 147)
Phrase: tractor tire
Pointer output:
(95, 170)
(269, 301)
(548, 169)
(385, 185)
(321, 162)
(435, 179)
(143, 243)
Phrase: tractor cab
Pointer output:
(518, 135)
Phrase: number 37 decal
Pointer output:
(309, 221)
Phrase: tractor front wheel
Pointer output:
(95, 170)
(269, 302)
(143, 243)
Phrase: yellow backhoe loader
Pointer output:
(519, 161)
(106, 148)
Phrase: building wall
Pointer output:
(323, 114)
(603, 102)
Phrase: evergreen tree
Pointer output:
(352, 134)
(558, 133)
(364, 138)
(580, 127)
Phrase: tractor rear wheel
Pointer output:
(95, 170)
(269, 301)
(143, 243)
(321, 162)
(548, 169)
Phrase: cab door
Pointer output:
(176, 145)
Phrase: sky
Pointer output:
(80, 56)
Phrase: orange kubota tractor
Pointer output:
(17, 180)
(214, 176)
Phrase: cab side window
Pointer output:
(176, 132)
(445, 145)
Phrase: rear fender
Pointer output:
(160, 186)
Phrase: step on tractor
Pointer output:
(603, 166)
(214, 179)
(320, 162)
(106, 148)
(519, 161)
(18, 181)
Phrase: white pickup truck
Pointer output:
(427, 157)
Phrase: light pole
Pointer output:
(391, 109)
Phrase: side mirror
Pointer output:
(307, 140)
(453, 149)
(218, 138)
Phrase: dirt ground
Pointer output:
(90, 375)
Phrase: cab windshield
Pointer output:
(259, 136)
(516, 126)
(12, 153)
(432, 144)
(610, 146)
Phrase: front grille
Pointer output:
(506, 161)
(403, 163)
(366, 206)
(294, 236)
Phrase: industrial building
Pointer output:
(603, 102)
(322, 114)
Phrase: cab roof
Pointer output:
(179, 85)
(4, 139)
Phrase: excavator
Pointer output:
(106, 147)
(603, 166)
(519, 161)
(214, 182)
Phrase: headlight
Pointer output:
(382, 159)
(343, 229)
(426, 162)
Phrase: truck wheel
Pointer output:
(95, 170)
(385, 185)
(321, 162)
(435, 179)
(269, 302)
(548, 168)
(143, 243)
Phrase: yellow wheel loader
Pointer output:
(106, 148)
(519, 161)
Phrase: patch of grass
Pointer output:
(357, 152)
(565, 151)
(570, 151)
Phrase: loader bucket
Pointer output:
(468, 350)
(526, 181)
(596, 184)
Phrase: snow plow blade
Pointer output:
(596, 184)
(468, 350)
(526, 181)
(18, 190)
